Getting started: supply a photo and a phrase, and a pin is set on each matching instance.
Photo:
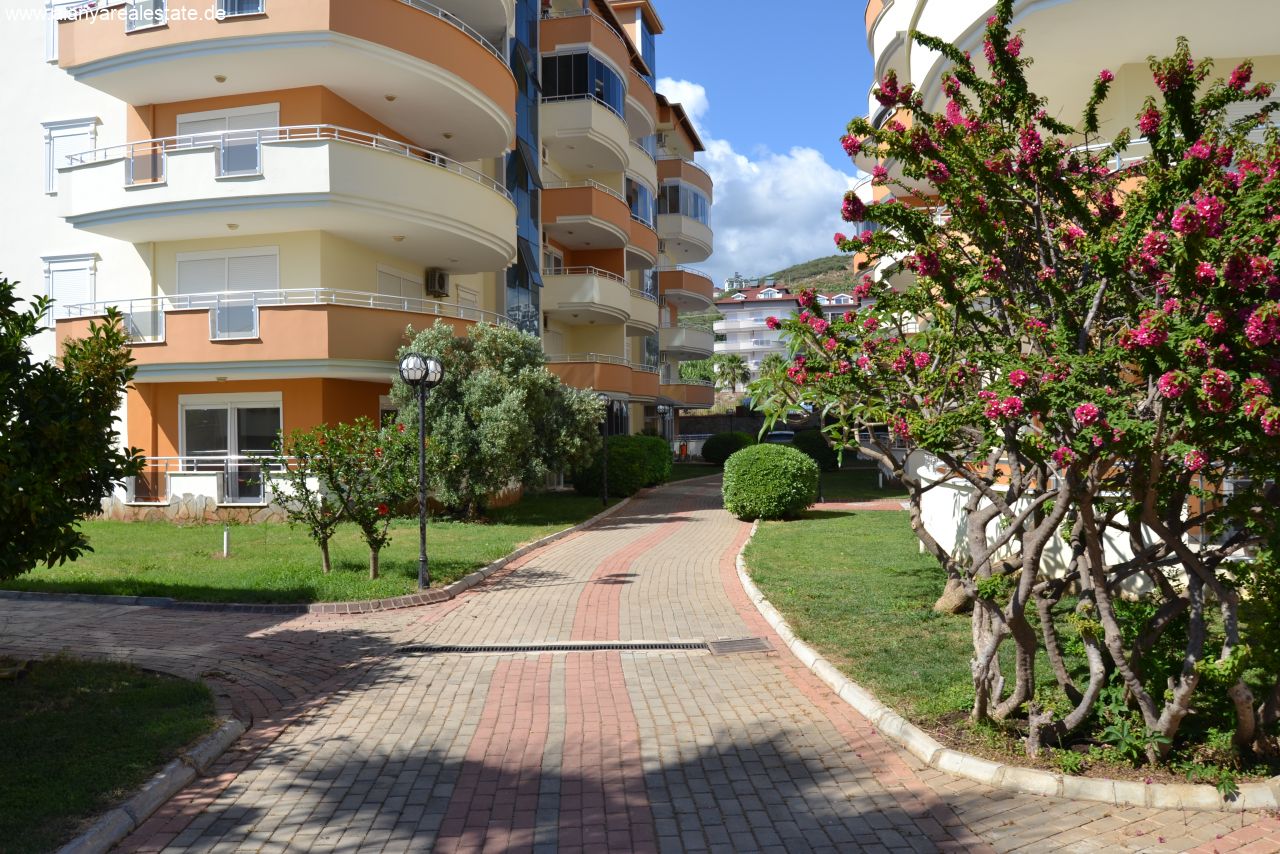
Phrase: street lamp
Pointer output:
(604, 437)
(664, 412)
(422, 373)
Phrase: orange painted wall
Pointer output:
(585, 201)
(610, 260)
(154, 422)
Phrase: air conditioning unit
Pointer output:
(662, 140)
(662, 246)
(437, 283)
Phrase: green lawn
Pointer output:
(857, 485)
(854, 585)
(276, 563)
(81, 736)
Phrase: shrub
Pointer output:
(812, 443)
(657, 459)
(721, 446)
(769, 482)
(629, 468)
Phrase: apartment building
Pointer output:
(746, 311)
(273, 190)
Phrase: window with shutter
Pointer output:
(62, 138)
(70, 280)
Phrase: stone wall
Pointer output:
(189, 509)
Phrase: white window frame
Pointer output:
(246, 400)
(224, 14)
(53, 263)
(226, 112)
(416, 278)
(61, 128)
(151, 21)
(549, 251)
(225, 254)
(767, 293)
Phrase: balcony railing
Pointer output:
(240, 152)
(578, 185)
(643, 294)
(226, 479)
(599, 358)
(692, 163)
(450, 18)
(234, 315)
(646, 152)
(559, 99)
(584, 271)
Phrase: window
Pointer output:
(235, 133)
(552, 261)
(583, 75)
(220, 433)
(842, 299)
(640, 200)
(144, 14)
(231, 8)
(678, 198)
(70, 280)
(230, 282)
(401, 285)
(770, 293)
(61, 138)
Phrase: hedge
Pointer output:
(634, 462)
(812, 443)
(721, 446)
(769, 482)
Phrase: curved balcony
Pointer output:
(605, 373)
(586, 295)
(578, 27)
(688, 394)
(685, 240)
(644, 314)
(642, 166)
(585, 134)
(319, 177)
(268, 334)
(685, 343)
(410, 64)
(672, 168)
(585, 215)
(642, 105)
(642, 245)
(686, 288)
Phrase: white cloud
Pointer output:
(771, 209)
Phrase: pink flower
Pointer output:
(830, 345)
(1185, 220)
(1172, 384)
(1014, 46)
(383, 510)
(1241, 76)
(1017, 378)
(772, 322)
(1215, 322)
(921, 360)
(839, 238)
(870, 324)
(1010, 407)
(806, 298)
(1031, 143)
(400, 427)
(1063, 456)
(938, 172)
(1271, 421)
(1072, 235)
(1105, 76)
(1263, 325)
(1194, 460)
(852, 145)
(1149, 121)
(852, 210)
(848, 317)
(819, 325)
(1206, 273)
(1201, 150)
(879, 175)
(1087, 413)
(1255, 387)
(1216, 387)
(864, 362)
(1210, 209)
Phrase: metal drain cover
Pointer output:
(735, 646)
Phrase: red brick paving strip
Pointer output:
(1261, 837)
(929, 812)
(495, 801)
(603, 801)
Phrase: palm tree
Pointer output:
(731, 372)
(773, 363)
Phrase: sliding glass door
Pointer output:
(229, 437)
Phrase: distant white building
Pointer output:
(745, 311)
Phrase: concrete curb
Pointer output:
(1029, 781)
(368, 606)
(119, 822)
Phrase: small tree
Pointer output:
(498, 418)
(303, 460)
(58, 446)
(731, 372)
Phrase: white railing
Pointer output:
(450, 18)
(228, 479)
(234, 314)
(692, 163)
(560, 99)
(643, 294)
(584, 271)
(586, 184)
(551, 14)
(240, 152)
(649, 225)
(600, 359)
(640, 148)
(681, 268)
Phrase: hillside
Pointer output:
(810, 269)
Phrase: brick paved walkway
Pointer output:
(355, 747)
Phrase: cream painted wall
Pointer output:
(606, 340)
(37, 91)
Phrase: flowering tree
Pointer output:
(1085, 335)
(305, 466)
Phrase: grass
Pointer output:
(854, 585)
(80, 736)
(684, 471)
(857, 485)
(273, 563)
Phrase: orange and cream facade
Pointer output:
(272, 191)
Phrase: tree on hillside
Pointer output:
(58, 446)
(499, 418)
(1091, 360)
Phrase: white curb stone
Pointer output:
(1031, 781)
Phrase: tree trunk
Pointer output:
(954, 599)
(373, 563)
(325, 562)
(1246, 717)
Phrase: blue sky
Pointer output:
(771, 86)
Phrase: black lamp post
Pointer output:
(604, 436)
(422, 373)
(664, 413)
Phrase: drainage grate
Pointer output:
(735, 646)
(586, 646)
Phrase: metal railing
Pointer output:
(234, 314)
(450, 18)
(643, 294)
(640, 148)
(559, 99)
(599, 359)
(237, 479)
(681, 268)
(586, 184)
(662, 157)
(553, 14)
(585, 271)
(240, 152)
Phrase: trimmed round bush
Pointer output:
(721, 446)
(769, 482)
(657, 459)
(629, 468)
(812, 443)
